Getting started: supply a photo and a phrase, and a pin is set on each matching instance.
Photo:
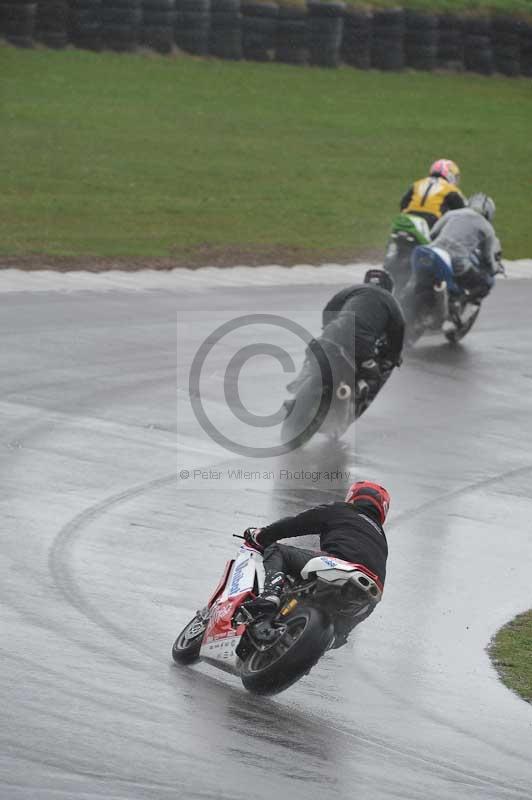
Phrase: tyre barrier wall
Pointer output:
(192, 24)
(291, 36)
(225, 34)
(157, 26)
(259, 25)
(526, 50)
(357, 38)
(387, 41)
(478, 50)
(325, 24)
(121, 20)
(51, 23)
(321, 33)
(450, 44)
(85, 24)
(17, 22)
(421, 40)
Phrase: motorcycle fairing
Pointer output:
(221, 639)
(432, 265)
(412, 225)
(221, 583)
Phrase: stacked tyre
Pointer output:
(356, 40)
(421, 40)
(158, 22)
(526, 49)
(121, 20)
(450, 53)
(192, 26)
(52, 23)
(325, 28)
(478, 51)
(506, 35)
(85, 24)
(17, 22)
(225, 36)
(387, 49)
(259, 25)
(291, 37)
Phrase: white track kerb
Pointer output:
(15, 280)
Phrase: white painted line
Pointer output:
(179, 279)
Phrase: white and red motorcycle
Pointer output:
(271, 653)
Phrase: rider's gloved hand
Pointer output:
(251, 539)
(499, 270)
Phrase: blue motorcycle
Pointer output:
(432, 300)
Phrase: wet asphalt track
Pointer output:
(105, 554)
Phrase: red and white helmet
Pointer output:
(364, 491)
(447, 169)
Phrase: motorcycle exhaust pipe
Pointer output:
(343, 392)
(442, 299)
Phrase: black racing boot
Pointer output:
(370, 376)
(361, 391)
(269, 600)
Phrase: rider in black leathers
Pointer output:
(362, 319)
(351, 530)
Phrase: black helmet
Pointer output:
(379, 277)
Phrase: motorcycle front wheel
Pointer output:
(305, 413)
(187, 646)
(270, 671)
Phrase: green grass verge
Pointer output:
(155, 157)
(511, 652)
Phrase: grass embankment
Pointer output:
(211, 162)
(511, 652)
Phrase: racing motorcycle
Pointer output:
(270, 653)
(408, 231)
(433, 303)
(328, 395)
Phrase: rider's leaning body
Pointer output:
(465, 232)
(466, 241)
(370, 312)
(350, 530)
(431, 197)
(356, 319)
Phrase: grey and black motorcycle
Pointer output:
(328, 396)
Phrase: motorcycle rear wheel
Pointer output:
(187, 646)
(455, 336)
(308, 635)
(397, 261)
